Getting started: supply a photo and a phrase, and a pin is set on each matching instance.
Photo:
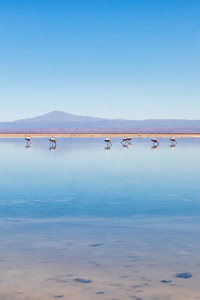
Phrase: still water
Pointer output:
(84, 222)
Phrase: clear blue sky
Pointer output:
(131, 59)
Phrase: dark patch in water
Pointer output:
(116, 284)
(146, 279)
(96, 245)
(100, 293)
(166, 281)
(59, 296)
(135, 297)
(127, 266)
(183, 275)
(137, 286)
(58, 280)
(82, 280)
(96, 264)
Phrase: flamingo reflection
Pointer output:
(125, 146)
(154, 147)
(52, 148)
(107, 149)
(172, 146)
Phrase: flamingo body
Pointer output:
(154, 140)
(52, 140)
(107, 140)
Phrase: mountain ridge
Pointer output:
(62, 113)
(62, 120)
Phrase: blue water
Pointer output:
(123, 220)
(82, 179)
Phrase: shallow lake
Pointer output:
(85, 221)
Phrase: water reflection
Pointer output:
(52, 148)
(154, 147)
(125, 146)
(172, 146)
(107, 149)
(86, 181)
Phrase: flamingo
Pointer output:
(129, 139)
(154, 140)
(172, 139)
(124, 140)
(28, 139)
(52, 141)
(107, 140)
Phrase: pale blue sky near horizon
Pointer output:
(112, 59)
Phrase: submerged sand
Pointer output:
(102, 259)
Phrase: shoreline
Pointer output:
(99, 135)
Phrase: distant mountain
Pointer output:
(63, 121)
(58, 116)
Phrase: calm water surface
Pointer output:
(85, 222)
